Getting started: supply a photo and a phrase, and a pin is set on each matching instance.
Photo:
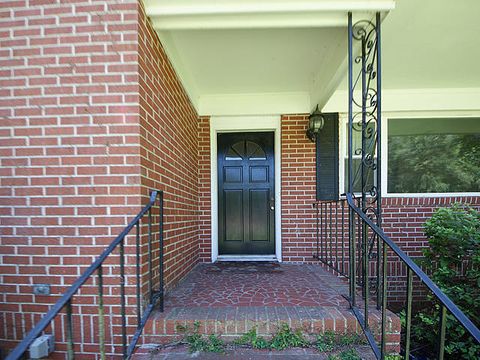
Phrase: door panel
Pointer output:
(259, 215)
(234, 222)
(246, 193)
(233, 174)
(258, 174)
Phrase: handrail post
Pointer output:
(363, 173)
(351, 219)
(137, 271)
(441, 338)
(343, 236)
(322, 232)
(161, 245)
(317, 231)
(101, 314)
(408, 316)
(384, 299)
(122, 299)
(337, 265)
(150, 268)
(70, 349)
(379, 152)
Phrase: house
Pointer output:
(103, 101)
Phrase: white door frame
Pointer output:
(219, 124)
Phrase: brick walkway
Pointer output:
(229, 299)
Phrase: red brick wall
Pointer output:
(169, 150)
(298, 190)
(85, 133)
(204, 187)
(70, 165)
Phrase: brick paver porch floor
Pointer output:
(229, 298)
(258, 284)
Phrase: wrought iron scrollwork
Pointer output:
(364, 140)
(364, 96)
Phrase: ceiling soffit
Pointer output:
(263, 57)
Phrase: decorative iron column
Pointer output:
(351, 217)
(364, 151)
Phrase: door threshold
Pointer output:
(247, 258)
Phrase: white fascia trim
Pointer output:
(415, 100)
(254, 104)
(220, 124)
(198, 7)
(182, 15)
(252, 21)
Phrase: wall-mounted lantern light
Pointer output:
(315, 124)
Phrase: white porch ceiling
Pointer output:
(432, 44)
(285, 56)
(258, 57)
(430, 56)
(220, 67)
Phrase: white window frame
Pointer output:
(417, 115)
(343, 120)
(342, 146)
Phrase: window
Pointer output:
(433, 155)
(247, 149)
(357, 159)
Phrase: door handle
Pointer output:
(272, 204)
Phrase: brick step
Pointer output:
(181, 352)
(234, 321)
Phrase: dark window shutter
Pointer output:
(327, 159)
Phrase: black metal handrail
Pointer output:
(332, 239)
(412, 269)
(332, 235)
(154, 297)
(366, 241)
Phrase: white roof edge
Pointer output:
(244, 14)
(238, 7)
(252, 21)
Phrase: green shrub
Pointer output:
(287, 338)
(326, 341)
(197, 343)
(453, 260)
(252, 339)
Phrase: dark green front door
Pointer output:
(246, 195)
